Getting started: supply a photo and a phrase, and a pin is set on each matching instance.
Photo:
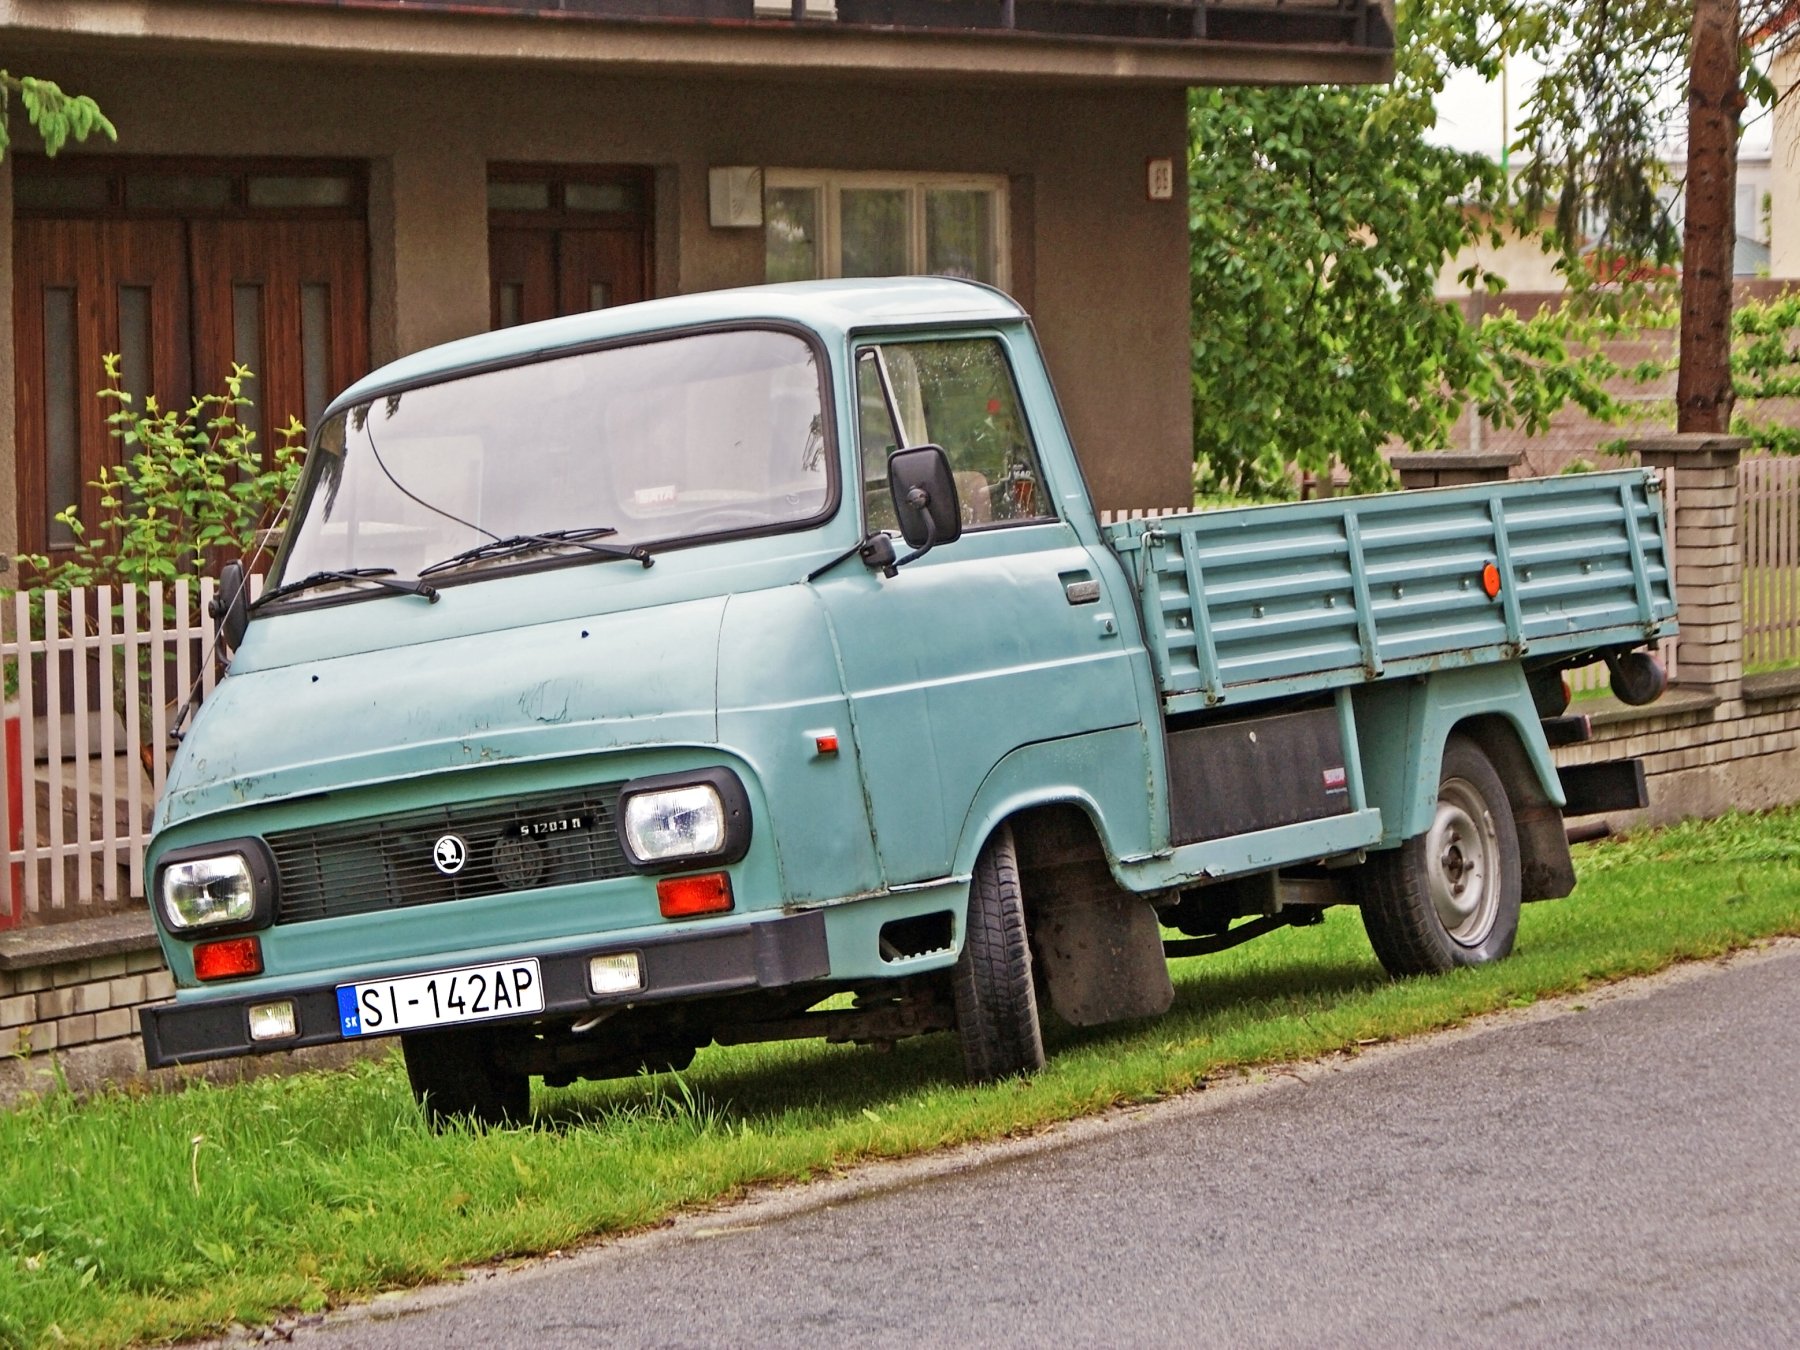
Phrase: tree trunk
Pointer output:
(1715, 100)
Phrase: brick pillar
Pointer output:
(1709, 555)
(1452, 468)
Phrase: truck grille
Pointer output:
(511, 844)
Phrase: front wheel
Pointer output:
(1448, 897)
(457, 1075)
(996, 1002)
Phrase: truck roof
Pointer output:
(830, 308)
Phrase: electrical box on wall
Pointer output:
(734, 197)
(1159, 179)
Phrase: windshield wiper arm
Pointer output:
(515, 544)
(379, 576)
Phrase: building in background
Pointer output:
(314, 188)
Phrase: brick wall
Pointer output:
(69, 999)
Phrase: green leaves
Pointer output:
(57, 116)
(1323, 220)
(192, 485)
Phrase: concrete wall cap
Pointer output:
(1689, 442)
(1455, 459)
(82, 940)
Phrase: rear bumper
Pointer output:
(762, 955)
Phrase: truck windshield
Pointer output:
(665, 440)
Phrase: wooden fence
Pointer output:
(1769, 505)
(95, 679)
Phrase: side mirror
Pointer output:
(230, 606)
(924, 498)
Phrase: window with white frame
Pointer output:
(883, 225)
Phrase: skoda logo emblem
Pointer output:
(449, 854)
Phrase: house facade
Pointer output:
(311, 189)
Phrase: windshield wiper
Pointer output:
(377, 575)
(515, 544)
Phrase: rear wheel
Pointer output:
(996, 1003)
(1448, 897)
(457, 1075)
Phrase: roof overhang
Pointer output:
(994, 42)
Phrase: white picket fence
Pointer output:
(96, 677)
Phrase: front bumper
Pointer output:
(763, 955)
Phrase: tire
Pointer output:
(456, 1075)
(1449, 897)
(996, 1002)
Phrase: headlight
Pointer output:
(677, 823)
(678, 819)
(225, 885)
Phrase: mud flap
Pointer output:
(1102, 958)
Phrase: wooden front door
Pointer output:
(289, 300)
(181, 267)
(83, 289)
(566, 241)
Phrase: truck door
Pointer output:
(1009, 636)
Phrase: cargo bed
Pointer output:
(1268, 601)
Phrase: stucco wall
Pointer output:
(1104, 270)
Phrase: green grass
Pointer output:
(158, 1216)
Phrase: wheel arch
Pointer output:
(1102, 778)
(1492, 705)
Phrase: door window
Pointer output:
(959, 394)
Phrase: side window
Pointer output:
(959, 394)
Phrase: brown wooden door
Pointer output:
(83, 289)
(288, 299)
(522, 276)
(541, 272)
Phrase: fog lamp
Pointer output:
(273, 1021)
(615, 973)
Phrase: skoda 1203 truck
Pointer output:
(663, 675)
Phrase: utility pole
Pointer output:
(1715, 101)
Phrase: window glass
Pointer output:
(308, 190)
(62, 415)
(959, 233)
(791, 232)
(177, 192)
(600, 196)
(716, 433)
(873, 225)
(857, 225)
(60, 192)
(877, 437)
(518, 196)
(957, 394)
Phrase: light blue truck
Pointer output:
(660, 676)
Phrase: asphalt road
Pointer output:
(1628, 1174)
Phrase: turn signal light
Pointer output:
(228, 958)
(680, 897)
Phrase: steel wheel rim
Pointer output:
(1462, 855)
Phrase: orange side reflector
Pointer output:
(825, 745)
(227, 958)
(709, 893)
(1490, 580)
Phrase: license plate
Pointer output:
(442, 998)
